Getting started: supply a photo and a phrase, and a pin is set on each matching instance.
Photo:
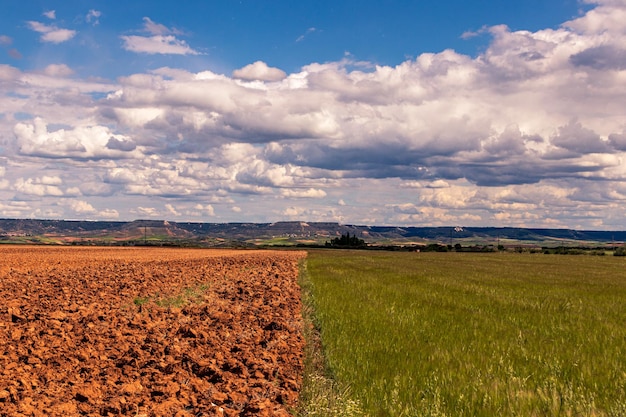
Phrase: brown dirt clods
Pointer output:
(149, 332)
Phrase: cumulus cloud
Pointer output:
(81, 207)
(51, 33)
(37, 187)
(172, 210)
(109, 214)
(161, 40)
(146, 211)
(618, 140)
(259, 71)
(84, 142)
(574, 137)
(205, 210)
(310, 193)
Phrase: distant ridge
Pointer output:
(67, 231)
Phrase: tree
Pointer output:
(347, 241)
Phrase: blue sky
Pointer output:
(489, 113)
(285, 34)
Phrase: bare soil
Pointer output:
(149, 332)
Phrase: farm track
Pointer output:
(149, 332)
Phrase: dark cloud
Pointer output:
(604, 57)
(618, 141)
(121, 145)
(578, 139)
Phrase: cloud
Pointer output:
(618, 141)
(93, 17)
(307, 33)
(574, 137)
(58, 70)
(121, 144)
(146, 211)
(51, 33)
(603, 57)
(472, 34)
(172, 210)
(14, 209)
(81, 207)
(310, 193)
(259, 71)
(109, 214)
(162, 41)
(205, 209)
(520, 134)
(14, 53)
(83, 142)
(165, 45)
(51, 14)
(7, 41)
(37, 187)
(157, 28)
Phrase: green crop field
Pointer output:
(457, 334)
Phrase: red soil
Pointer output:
(149, 332)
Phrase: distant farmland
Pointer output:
(474, 334)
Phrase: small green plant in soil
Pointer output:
(186, 296)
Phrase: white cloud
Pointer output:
(34, 187)
(146, 211)
(205, 209)
(259, 70)
(172, 210)
(109, 214)
(165, 45)
(58, 70)
(5, 40)
(162, 40)
(93, 17)
(308, 32)
(51, 33)
(81, 207)
(51, 14)
(156, 28)
(310, 193)
(81, 142)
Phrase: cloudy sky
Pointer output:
(386, 112)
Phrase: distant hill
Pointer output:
(285, 233)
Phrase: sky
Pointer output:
(389, 112)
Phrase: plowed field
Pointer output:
(149, 332)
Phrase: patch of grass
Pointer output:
(139, 301)
(187, 296)
(433, 334)
(320, 395)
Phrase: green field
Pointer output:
(458, 334)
